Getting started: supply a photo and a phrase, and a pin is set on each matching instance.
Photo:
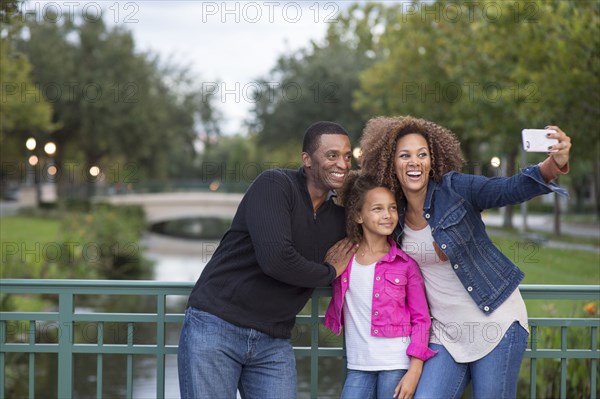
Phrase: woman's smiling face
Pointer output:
(412, 163)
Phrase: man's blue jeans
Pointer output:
(371, 384)
(494, 376)
(216, 358)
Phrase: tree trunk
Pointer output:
(556, 213)
(596, 185)
(508, 214)
(508, 165)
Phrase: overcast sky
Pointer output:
(234, 42)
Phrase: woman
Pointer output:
(479, 321)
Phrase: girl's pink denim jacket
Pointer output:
(399, 304)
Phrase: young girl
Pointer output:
(380, 299)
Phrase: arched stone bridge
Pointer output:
(160, 207)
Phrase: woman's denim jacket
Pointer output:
(453, 211)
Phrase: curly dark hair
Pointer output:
(352, 196)
(378, 144)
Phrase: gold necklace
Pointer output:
(362, 251)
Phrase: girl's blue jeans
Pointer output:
(371, 384)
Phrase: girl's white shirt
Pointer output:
(458, 324)
(363, 351)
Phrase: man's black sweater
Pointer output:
(272, 257)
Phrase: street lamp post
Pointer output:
(49, 192)
(32, 177)
(44, 186)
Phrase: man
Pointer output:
(240, 314)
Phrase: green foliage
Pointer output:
(23, 108)
(484, 69)
(568, 54)
(106, 239)
(24, 111)
(109, 99)
(100, 243)
(455, 69)
(317, 83)
(488, 69)
(567, 61)
(233, 162)
(127, 112)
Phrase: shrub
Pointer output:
(107, 240)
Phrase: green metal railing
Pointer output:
(15, 339)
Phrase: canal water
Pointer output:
(174, 259)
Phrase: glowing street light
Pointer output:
(94, 171)
(52, 170)
(30, 144)
(356, 153)
(33, 160)
(214, 185)
(495, 162)
(50, 148)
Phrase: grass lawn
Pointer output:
(544, 265)
(28, 229)
(25, 249)
(25, 241)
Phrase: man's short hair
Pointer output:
(313, 134)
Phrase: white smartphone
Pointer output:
(535, 140)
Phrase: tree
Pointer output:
(318, 83)
(454, 69)
(488, 69)
(567, 76)
(207, 117)
(119, 109)
(24, 111)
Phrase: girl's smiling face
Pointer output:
(379, 213)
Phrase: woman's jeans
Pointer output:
(494, 376)
(371, 384)
(216, 358)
